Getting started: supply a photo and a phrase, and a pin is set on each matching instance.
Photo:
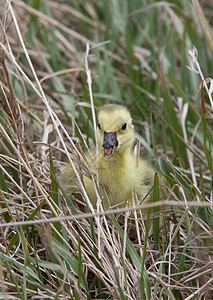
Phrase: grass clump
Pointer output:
(59, 63)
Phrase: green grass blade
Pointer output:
(144, 279)
(173, 121)
(156, 220)
(15, 238)
(21, 266)
(132, 253)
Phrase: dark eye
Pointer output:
(99, 125)
(123, 126)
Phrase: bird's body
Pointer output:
(119, 172)
(120, 178)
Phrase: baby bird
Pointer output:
(119, 172)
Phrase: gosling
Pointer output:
(120, 174)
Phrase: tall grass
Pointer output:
(62, 60)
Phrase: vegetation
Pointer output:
(62, 60)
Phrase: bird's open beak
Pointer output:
(110, 143)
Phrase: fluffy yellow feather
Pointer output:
(119, 172)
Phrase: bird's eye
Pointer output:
(124, 126)
(99, 125)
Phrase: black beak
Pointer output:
(110, 143)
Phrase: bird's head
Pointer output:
(115, 131)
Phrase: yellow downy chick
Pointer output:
(119, 172)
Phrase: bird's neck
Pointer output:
(118, 160)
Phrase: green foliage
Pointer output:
(138, 57)
(156, 220)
